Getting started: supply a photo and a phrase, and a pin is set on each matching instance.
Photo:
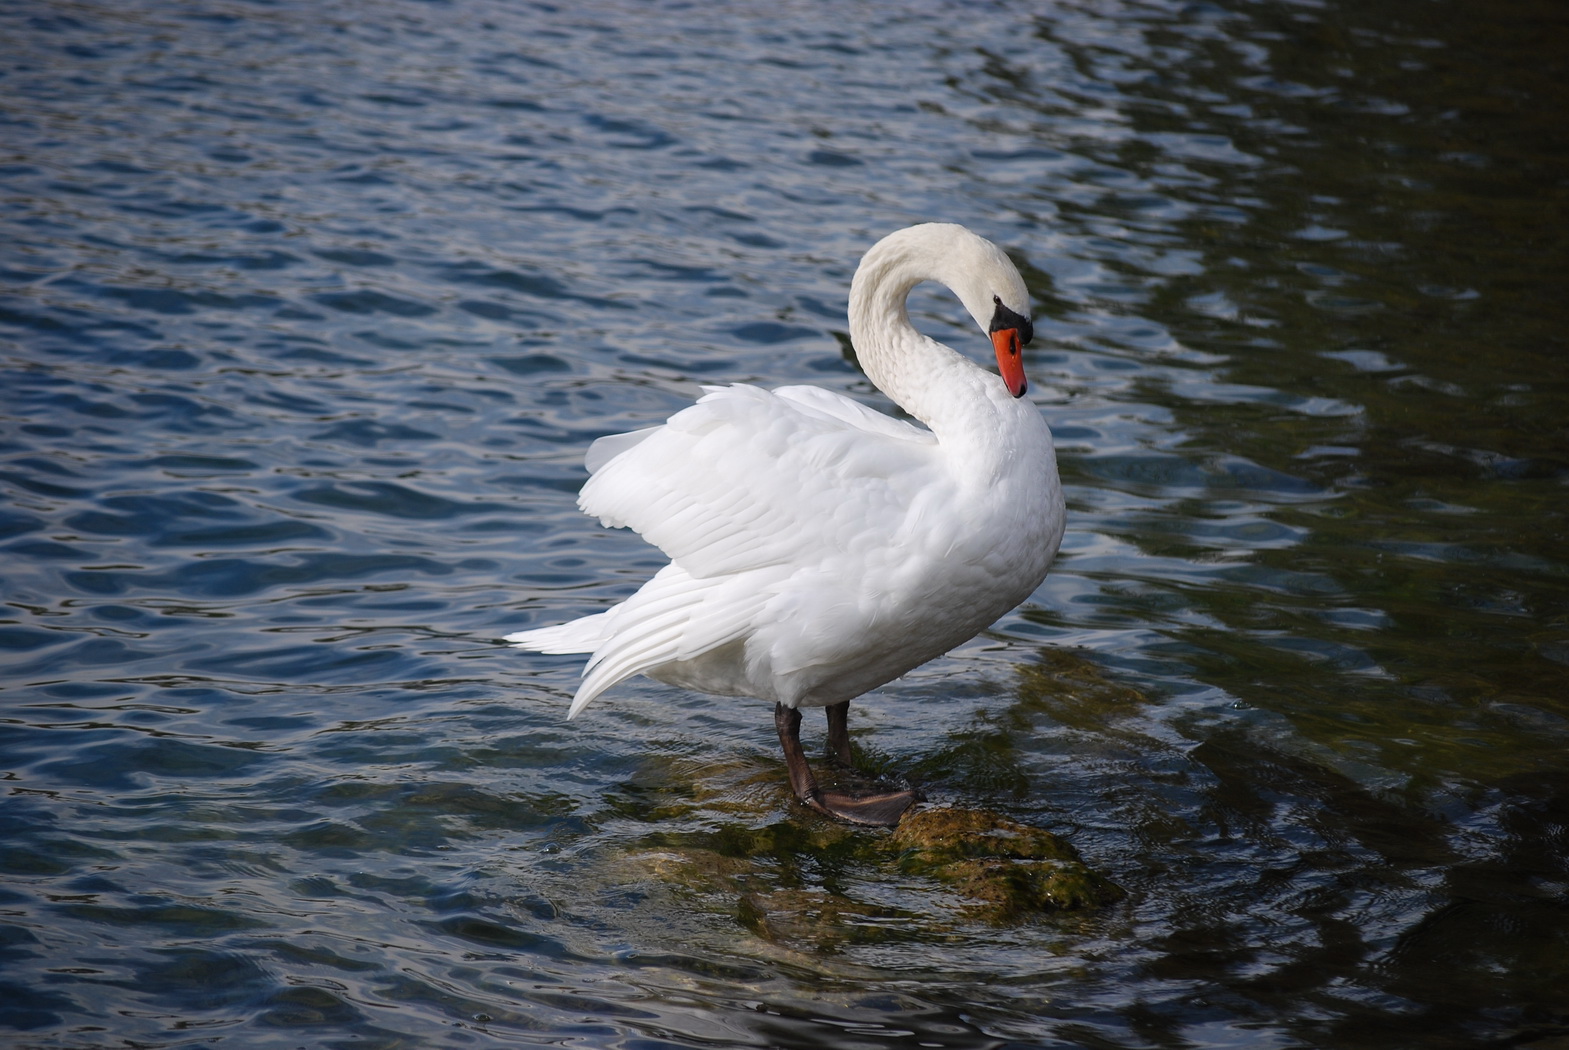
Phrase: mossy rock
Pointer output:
(699, 870)
(727, 840)
(1010, 870)
(940, 836)
(825, 920)
(1076, 692)
(938, 871)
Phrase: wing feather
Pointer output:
(672, 618)
(748, 478)
(582, 635)
(749, 492)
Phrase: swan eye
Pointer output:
(1002, 317)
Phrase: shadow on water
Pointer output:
(308, 317)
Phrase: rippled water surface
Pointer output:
(310, 311)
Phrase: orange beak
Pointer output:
(1010, 360)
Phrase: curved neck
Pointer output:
(935, 384)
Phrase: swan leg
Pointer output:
(839, 732)
(882, 810)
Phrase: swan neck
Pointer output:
(928, 380)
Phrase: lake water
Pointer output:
(310, 311)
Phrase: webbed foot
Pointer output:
(878, 811)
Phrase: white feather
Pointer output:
(818, 548)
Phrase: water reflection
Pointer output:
(308, 319)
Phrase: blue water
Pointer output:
(309, 312)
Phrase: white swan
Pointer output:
(819, 549)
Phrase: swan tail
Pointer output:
(578, 636)
(586, 635)
(653, 627)
(671, 620)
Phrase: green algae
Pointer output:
(1010, 871)
(809, 882)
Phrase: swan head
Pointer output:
(1009, 331)
(980, 274)
(989, 286)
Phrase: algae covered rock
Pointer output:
(814, 883)
(1009, 870)
(724, 844)
(823, 919)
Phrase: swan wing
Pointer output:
(828, 405)
(748, 478)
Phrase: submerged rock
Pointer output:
(821, 918)
(940, 870)
(726, 843)
(1009, 870)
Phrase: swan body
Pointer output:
(819, 549)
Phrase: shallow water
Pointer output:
(310, 312)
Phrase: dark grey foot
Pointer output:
(839, 734)
(878, 811)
